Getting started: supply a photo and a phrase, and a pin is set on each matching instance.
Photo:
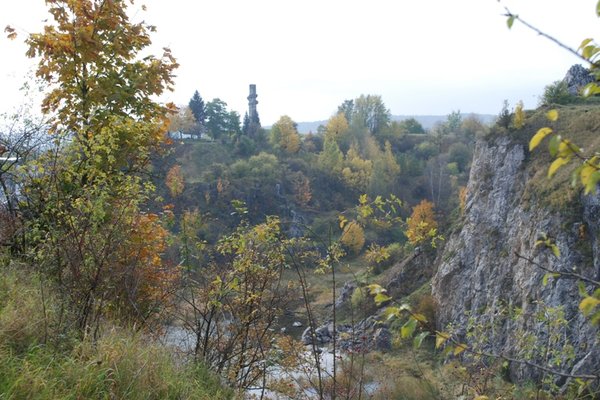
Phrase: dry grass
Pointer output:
(40, 362)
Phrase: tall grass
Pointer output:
(120, 365)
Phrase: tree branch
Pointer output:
(569, 275)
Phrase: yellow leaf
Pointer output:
(381, 298)
(586, 172)
(592, 182)
(588, 304)
(552, 115)
(556, 164)
(481, 398)
(459, 349)
(440, 338)
(420, 317)
(538, 137)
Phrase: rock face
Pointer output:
(407, 276)
(481, 278)
(576, 78)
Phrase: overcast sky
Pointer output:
(306, 57)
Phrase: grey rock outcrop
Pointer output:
(345, 294)
(408, 275)
(368, 334)
(576, 78)
(482, 272)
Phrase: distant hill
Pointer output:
(428, 121)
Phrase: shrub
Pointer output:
(557, 93)
(353, 237)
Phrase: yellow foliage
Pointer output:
(519, 117)
(357, 172)
(353, 237)
(421, 224)
(284, 135)
(336, 126)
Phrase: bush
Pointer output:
(557, 93)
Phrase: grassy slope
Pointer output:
(40, 363)
(578, 123)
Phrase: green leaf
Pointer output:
(381, 298)
(418, 341)
(553, 144)
(538, 137)
(510, 21)
(552, 115)
(408, 328)
(548, 276)
(588, 304)
(598, 8)
(588, 51)
(555, 250)
(420, 318)
(556, 164)
(390, 313)
(585, 42)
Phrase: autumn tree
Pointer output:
(237, 299)
(301, 189)
(284, 135)
(421, 225)
(357, 171)
(519, 116)
(182, 122)
(89, 232)
(336, 126)
(174, 181)
(353, 237)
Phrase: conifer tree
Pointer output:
(196, 104)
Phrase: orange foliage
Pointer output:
(421, 224)
(175, 181)
(301, 187)
(148, 282)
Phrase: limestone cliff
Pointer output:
(480, 278)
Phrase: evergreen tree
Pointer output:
(246, 125)
(196, 104)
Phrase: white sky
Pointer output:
(306, 57)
